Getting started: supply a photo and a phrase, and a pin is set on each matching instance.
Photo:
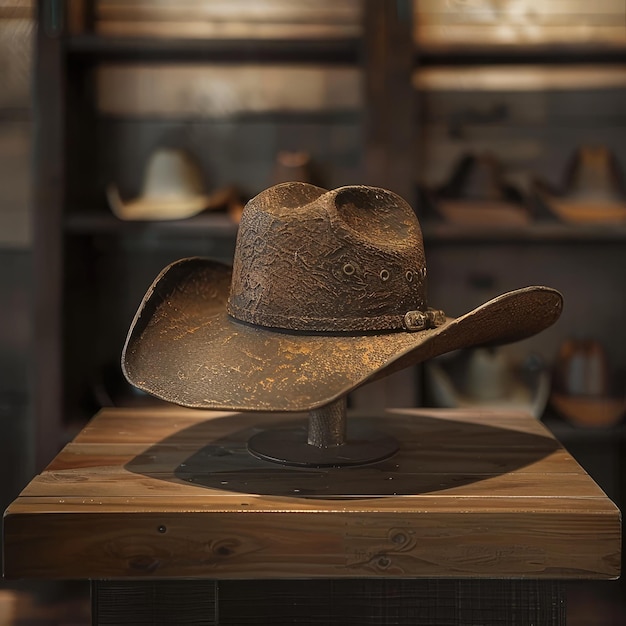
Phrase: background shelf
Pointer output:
(206, 224)
(93, 48)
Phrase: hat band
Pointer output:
(410, 321)
(421, 320)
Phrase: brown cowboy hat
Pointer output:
(327, 292)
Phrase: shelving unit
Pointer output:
(539, 54)
(92, 269)
(99, 222)
(96, 49)
(539, 233)
(583, 261)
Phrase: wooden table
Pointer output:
(475, 520)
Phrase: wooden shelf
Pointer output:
(335, 116)
(507, 55)
(540, 232)
(93, 223)
(565, 431)
(98, 48)
(220, 225)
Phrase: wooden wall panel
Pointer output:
(16, 48)
(532, 132)
(15, 184)
(519, 22)
(16, 52)
(463, 276)
(228, 18)
(222, 91)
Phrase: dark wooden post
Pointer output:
(389, 96)
(49, 198)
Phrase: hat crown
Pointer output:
(308, 259)
(172, 173)
(594, 174)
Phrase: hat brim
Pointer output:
(156, 209)
(531, 396)
(486, 213)
(184, 348)
(592, 411)
(574, 211)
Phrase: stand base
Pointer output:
(291, 447)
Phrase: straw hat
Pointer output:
(172, 189)
(485, 377)
(326, 293)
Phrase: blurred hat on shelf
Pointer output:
(172, 189)
(593, 189)
(327, 292)
(292, 165)
(476, 194)
(289, 166)
(583, 391)
(487, 377)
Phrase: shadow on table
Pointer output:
(435, 455)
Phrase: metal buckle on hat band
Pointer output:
(421, 320)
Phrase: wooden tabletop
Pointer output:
(173, 492)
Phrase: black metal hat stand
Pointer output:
(329, 441)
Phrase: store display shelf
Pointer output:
(517, 55)
(99, 222)
(567, 432)
(546, 232)
(132, 49)
(220, 224)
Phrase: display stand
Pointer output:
(475, 520)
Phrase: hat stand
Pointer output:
(328, 442)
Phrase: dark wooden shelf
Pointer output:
(97, 48)
(217, 225)
(276, 116)
(507, 55)
(566, 432)
(540, 232)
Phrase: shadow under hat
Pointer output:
(327, 292)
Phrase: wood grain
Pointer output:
(513, 24)
(232, 19)
(173, 493)
(220, 91)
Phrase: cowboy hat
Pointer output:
(593, 190)
(327, 292)
(476, 194)
(584, 392)
(485, 377)
(172, 189)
